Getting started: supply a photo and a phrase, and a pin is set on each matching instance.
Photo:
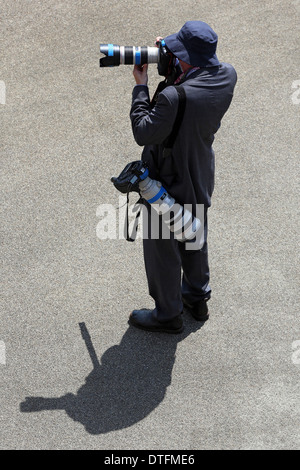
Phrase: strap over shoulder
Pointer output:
(169, 142)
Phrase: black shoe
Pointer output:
(145, 319)
(199, 310)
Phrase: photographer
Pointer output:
(187, 172)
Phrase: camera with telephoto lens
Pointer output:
(126, 55)
(179, 220)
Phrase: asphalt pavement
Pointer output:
(74, 375)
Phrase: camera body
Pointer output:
(166, 60)
(126, 55)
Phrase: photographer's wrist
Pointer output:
(140, 74)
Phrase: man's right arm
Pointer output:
(152, 126)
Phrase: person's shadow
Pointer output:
(128, 384)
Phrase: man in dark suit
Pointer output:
(187, 173)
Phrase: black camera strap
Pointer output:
(169, 142)
(132, 237)
(168, 145)
(127, 182)
(123, 186)
(160, 87)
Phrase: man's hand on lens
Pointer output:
(140, 74)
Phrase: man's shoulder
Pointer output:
(228, 69)
(227, 66)
(170, 94)
(223, 73)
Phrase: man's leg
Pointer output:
(195, 282)
(163, 270)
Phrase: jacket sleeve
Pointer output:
(152, 126)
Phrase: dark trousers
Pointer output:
(173, 271)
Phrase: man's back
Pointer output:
(188, 173)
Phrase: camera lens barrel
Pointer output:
(126, 55)
(178, 219)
